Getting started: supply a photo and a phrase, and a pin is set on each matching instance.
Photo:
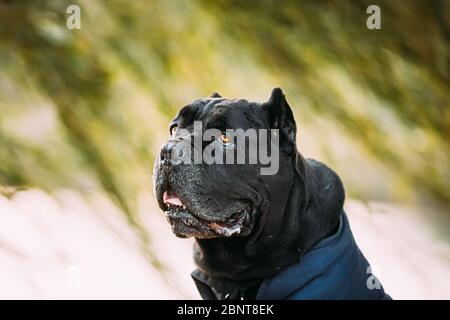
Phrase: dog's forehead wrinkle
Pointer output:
(204, 106)
(185, 116)
(212, 102)
(254, 118)
(216, 119)
(224, 114)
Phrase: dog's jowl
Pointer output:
(279, 233)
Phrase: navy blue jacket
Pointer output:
(335, 268)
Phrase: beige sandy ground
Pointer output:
(73, 247)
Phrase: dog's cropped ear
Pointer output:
(280, 114)
(215, 95)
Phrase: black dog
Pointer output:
(282, 236)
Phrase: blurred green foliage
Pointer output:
(88, 108)
(322, 46)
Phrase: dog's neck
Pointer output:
(323, 198)
(283, 232)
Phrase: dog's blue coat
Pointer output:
(335, 268)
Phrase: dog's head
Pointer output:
(208, 199)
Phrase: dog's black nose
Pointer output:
(171, 151)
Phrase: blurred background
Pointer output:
(83, 113)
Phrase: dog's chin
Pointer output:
(185, 224)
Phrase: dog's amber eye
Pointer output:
(224, 138)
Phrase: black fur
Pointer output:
(294, 209)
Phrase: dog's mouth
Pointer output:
(185, 223)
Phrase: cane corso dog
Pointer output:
(278, 236)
